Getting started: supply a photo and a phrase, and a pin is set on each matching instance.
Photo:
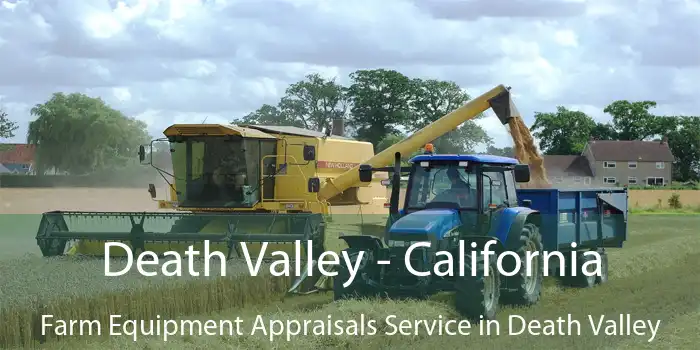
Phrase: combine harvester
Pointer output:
(257, 184)
(454, 200)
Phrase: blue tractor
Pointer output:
(456, 206)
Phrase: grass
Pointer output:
(18, 240)
(70, 289)
(653, 277)
(692, 210)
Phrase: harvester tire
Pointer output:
(525, 288)
(357, 289)
(49, 246)
(603, 278)
(477, 297)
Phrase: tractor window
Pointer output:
(439, 184)
(510, 187)
(494, 189)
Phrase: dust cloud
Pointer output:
(526, 152)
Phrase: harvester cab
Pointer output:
(453, 204)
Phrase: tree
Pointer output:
(311, 104)
(271, 115)
(684, 142)
(383, 104)
(633, 121)
(79, 134)
(388, 141)
(7, 127)
(604, 131)
(432, 99)
(564, 132)
(503, 152)
(380, 101)
(392, 139)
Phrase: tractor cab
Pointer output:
(451, 194)
(477, 183)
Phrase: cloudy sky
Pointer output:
(186, 60)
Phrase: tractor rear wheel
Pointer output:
(357, 289)
(477, 295)
(525, 287)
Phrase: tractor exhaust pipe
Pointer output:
(395, 185)
(338, 128)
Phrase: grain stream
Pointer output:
(526, 153)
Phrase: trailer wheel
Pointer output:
(526, 288)
(357, 289)
(603, 278)
(478, 296)
(580, 280)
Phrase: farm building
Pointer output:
(16, 158)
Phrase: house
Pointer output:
(567, 171)
(16, 158)
(613, 163)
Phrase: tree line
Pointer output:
(380, 106)
(566, 132)
(79, 134)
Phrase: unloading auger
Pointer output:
(256, 184)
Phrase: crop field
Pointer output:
(654, 277)
(70, 288)
(659, 198)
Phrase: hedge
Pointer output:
(120, 178)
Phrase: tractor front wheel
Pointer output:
(477, 294)
(356, 289)
(525, 287)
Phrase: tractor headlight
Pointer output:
(397, 244)
(403, 244)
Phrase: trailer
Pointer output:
(466, 227)
(579, 220)
(589, 217)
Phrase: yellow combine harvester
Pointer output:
(256, 184)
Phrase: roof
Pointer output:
(16, 168)
(291, 130)
(479, 158)
(567, 166)
(214, 130)
(642, 151)
(16, 153)
(4, 170)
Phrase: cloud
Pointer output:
(190, 60)
(476, 9)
